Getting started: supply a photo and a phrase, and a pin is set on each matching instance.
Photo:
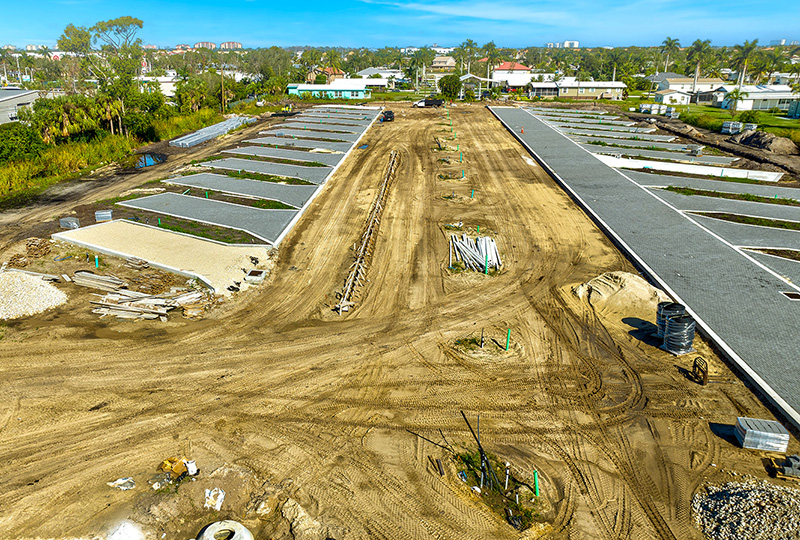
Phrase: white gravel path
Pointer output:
(22, 295)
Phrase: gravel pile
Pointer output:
(748, 511)
(23, 294)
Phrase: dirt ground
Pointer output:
(276, 397)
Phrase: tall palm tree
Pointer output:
(333, 61)
(741, 56)
(775, 62)
(699, 52)
(669, 47)
(470, 47)
(493, 57)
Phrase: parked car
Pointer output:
(429, 102)
(387, 116)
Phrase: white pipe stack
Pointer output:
(476, 254)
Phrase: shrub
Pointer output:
(749, 117)
(19, 141)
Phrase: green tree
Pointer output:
(450, 86)
(669, 47)
(698, 53)
(741, 56)
(493, 57)
(733, 98)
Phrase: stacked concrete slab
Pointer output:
(211, 132)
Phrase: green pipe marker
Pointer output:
(508, 338)
(461, 157)
(479, 229)
(457, 147)
(536, 483)
(206, 194)
(462, 173)
(96, 262)
(486, 271)
(159, 222)
(472, 196)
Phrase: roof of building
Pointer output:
(762, 91)
(337, 85)
(9, 93)
(672, 91)
(704, 80)
(512, 66)
(572, 82)
(658, 77)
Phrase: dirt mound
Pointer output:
(691, 131)
(765, 141)
(620, 292)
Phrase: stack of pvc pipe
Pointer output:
(211, 132)
(477, 254)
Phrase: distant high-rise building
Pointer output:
(183, 46)
(148, 46)
(571, 44)
(31, 47)
(10, 47)
(777, 42)
(205, 45)
(230, 45)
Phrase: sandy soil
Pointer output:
(280, 397)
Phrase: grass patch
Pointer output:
(267, 159)
(750, 220)
(734, 196)
(169, 128)
(272, 205)
(790, 254)
(265, 177)
(202, 230)
(702, 177)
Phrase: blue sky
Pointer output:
(376, 23)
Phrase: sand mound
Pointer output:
(765, 141)
(22, 295)
(620, 292)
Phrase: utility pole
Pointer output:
(222, 71)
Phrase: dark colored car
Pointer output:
(387, 116)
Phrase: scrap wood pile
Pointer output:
(37, 247)
(479, 254)
(125, 304)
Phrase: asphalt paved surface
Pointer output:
(737, 300)
(289, 194)
(316, 175)
(282, 153)
(302, 143)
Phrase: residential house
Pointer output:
(511, 75)
(385, 73)
(331, 74)
(338, 89)
(760, 97)
(673, 97)
(686, 84)
(444, 63)
(569, 87)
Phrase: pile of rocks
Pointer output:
(23, 294)
(766, 141)
(752, 510)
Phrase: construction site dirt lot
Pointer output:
(278, 398)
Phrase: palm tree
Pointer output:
(698, 53)
(469, 48)
(669, 47)
(735, 96)
(741, 56)
(492, 57)
(775, 61)
(333, 61)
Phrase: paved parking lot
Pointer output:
(282, 153)
(295, 196)
(310, 134)
(266, 225)
(316, 175)
(735, 297)
(302, 143)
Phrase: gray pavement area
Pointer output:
(288, 194)
(700, 203)
(599, 127)
(785, 267)
(302, 143)
(740, 234)
(316, 175)
(298, 124)
(616, 134)
(264, 224)
(737, 302)
(310, 134)
(548, 114)
(727, 186)
(281, 153)
(676, 147)
(561, 109)
(329, 119)
(659, 154)
(587, 120)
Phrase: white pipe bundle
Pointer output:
(476, 254)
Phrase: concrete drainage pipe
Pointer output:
(225, 530)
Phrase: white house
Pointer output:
(758, 97)
(686, 84)
(673, 97)
(512, 75)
